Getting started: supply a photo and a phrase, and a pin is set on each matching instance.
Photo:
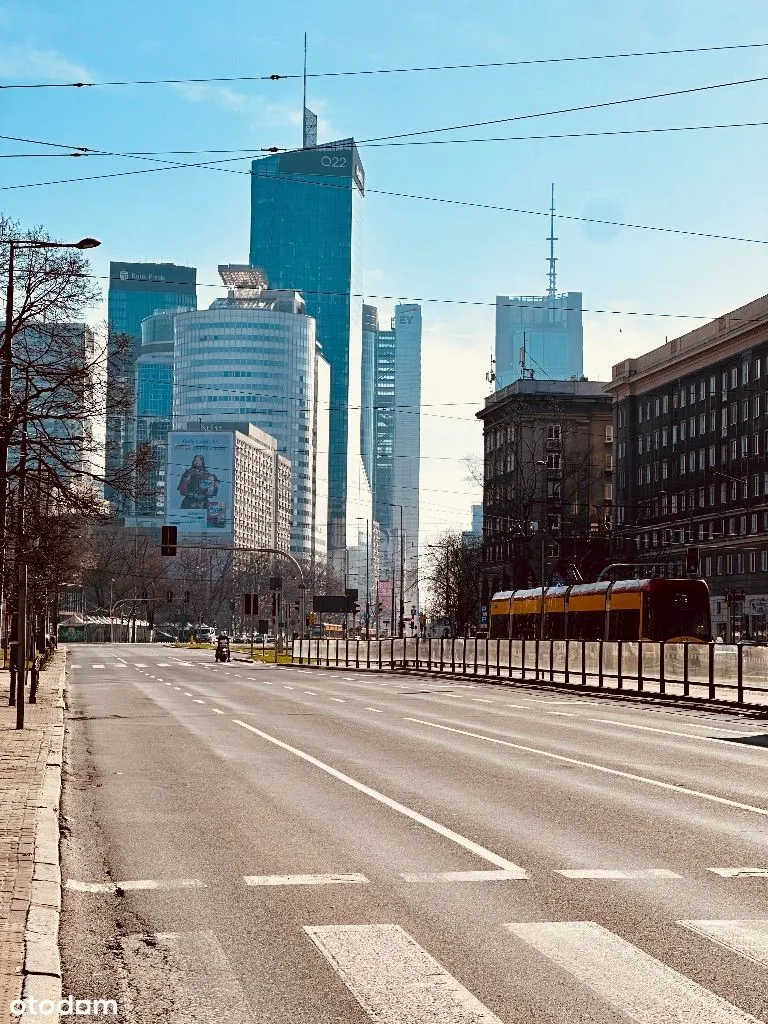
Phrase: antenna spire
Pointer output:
(304, 99)
(552, 287)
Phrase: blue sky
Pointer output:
(707, 181)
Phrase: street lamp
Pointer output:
(6, 356)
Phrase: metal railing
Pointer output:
(703, 671)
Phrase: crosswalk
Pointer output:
(394, 979)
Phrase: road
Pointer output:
(272, 844)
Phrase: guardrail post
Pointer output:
(662, 680)
(368, 654)
(583, 662)
(686, 681)
(442, 656)
(327, 652)
(619, 654)
(740, 675)
(567, 671)
(498, 657)
(487, 662)
(640, 665)
(392, 653)
(536, 658)
(551, 661)
(453, 654)
(522, 653)
(417, 652)
(509, 658)
(381, 666)
(464, 656)
(711, 671)
(475, 658)
(600, 662)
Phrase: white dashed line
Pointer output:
(339, 700)
(216, 711)
(198, 701)
(740, 872)
(350, 879)
(463, 876)
(134, 886)
(377, 710)
(310, 693)
(611, 873)
(187, 694)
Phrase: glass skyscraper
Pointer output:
(153, 409)
(253, 358)
(306, 223)
(548, 327)
(136, 291)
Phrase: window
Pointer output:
(674, 503)
(734, 492)
(754, 522)
(674, 433)
(711, 455)
(682, 398)
(744, 446)
(692, 461)
(724, 423)
(682, 430)
(701, 497)
(656, 407)
(665, 403)
(757, 369)
(712, 384)
(708, 566)
(733, 448)
(609, 461)
(647, 410)
(682, 465)
(553, 460)
(656, 440)
(725, 381)
(648, 474)
(756, 405)
(693, 394)
(703, 423)
(764, 561)
(664, 504)
(745, 488)
(665, 473)
(723, 493)
(752, 561)
(745, 373)
(664, 437)
(640, 445)
(756, 485)
(553, 432)
(719, 562)
(713, 420)
(723, 453)
(702, 390)
(756, 443)
(656, 472)
(745, 409)
(692, 427)
(734, 413)
(609, 433)
(702, 458)
(734, 377)
(711, 494)
(639, 413)
(739, 563)
(622, 450)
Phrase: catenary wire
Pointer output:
(82, 152)
(387, 71)
(211, 165)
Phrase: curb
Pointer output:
(42, 963)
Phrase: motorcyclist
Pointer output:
(222, 648)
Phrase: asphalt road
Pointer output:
(256, 843)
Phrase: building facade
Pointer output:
(539, 336)
(253, 357)
(136, 291)
(306, 233)
(547, 488)
(153, 411)
(692, 462)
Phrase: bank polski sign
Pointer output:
(200, 482)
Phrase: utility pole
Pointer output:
(402, 577)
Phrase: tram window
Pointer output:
(624, 623)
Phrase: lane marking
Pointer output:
(630, 980)
(669, 732)
(73, 665)
(310, 693)
(138, 664)
(520, 707)
(394, 979)
(350, 879)
(177, 688)
(187, 693)
(168, 684)
(740, 872)
(120, 661)
(339, 700)
(608, 873)
(563, 714)
(288, 687)
(97, 666)
(133, 886)
(671, 786)
(377, 710)
(747, 938)
(482, 700)
(216, 711)
(434, 826)
(461, 876)
(198, 701)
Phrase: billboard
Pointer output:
(200, 482)
(157, 277)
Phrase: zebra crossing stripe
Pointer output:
(610, 873)
(740, 872)
(629, 980)
(747, 938)
(394, 979)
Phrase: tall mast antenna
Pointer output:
(552, 287)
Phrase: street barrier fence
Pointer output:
(710, 671)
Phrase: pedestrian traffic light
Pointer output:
(251, 602)
(691, 560)
(168, 540)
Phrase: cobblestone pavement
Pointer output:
(24, 755)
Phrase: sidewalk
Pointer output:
(29, 871)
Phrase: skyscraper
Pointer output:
(153, 409)
(397, 443)
(252, 358)
(306, 222)
(136, 291)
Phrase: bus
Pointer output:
(669, 610)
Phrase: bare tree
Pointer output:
(453, 572)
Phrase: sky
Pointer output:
(454, 258)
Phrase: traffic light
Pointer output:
(251, 602)
(379, 608)
(151, 617)
(169, 596)
(355, 608)
(186, 597)
(168, 540)
(692, 560)
(297, 606)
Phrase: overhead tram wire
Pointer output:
(275, 77)
(214, 166)
(249, 152)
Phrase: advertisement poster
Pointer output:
(199, 482)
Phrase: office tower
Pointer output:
(540, 336)
(136, 291)
(368, 387)
(397, 443)
(229, 486)
(306, 222)
(153, 410)
(252, 357)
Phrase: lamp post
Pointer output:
(6, 372)
(402, 572)
(543, 533)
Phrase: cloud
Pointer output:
(26, 63)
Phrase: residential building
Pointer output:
(396, 419)
(539, 336)
(229, 485)
(547, 487)
(136, 291)
(306, 224)
(691, 470)
(253, 357)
